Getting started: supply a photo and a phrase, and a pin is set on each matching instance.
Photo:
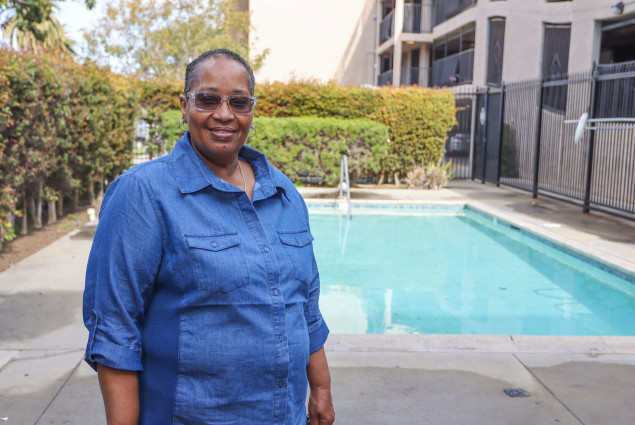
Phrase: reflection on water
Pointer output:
(461, 274)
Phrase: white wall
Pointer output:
(305, 38)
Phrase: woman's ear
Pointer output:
(183, 101)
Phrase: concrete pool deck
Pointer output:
(377, 379)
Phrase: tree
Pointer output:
(48, 35)
(30, 13)
(157, 39)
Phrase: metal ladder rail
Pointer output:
(345, 184)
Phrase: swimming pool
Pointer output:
(456, 270)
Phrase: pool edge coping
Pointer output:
(457, 343)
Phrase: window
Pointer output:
(555, 50)
(555, 65)
(453, 58)
(495, 51)
(446, 9)
(618, 42)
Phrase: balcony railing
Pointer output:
(454, 69)
(385, 78)
(446, 9)
(417, 17)
(414, 76)
(386, 26)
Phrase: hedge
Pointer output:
(307, 146)
(418, 119)
(63, 127)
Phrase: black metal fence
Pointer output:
(522, 135)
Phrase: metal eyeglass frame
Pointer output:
(192, 94)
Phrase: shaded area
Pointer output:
(27, 315)
(593, 389)
(385, 396)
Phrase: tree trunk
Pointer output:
(100, 195)
(52, 217)
(1, 235)
(37, 204)
(60, 205)
(382, 176)
(91, 193)
(397, 179)
(75, 199)
(24, 229)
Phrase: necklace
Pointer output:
(243, 176)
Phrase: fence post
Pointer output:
(501, 135)
(484, 125)
(589, 168)
(473, 133)
(534, 189)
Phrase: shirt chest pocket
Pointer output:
(219, 262)
(298, 247)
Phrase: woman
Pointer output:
(202, 290)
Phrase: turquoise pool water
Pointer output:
(457, 271)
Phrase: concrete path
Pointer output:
(377, 379)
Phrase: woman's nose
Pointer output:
(224, 112)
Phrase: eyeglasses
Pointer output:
(210, 102)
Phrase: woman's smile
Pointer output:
(222, 133)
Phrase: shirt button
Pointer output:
(214, 244)
(297, 241)
(281, 338)
(266, 249)
(275, 292)
(280, 384)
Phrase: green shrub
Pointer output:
(306, 146)
(418, 119)
(169, 128)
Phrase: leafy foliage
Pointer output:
(45, 36)
(306, 146)
(417, 119)
(155, 38)
(62, 127)
(28, 16)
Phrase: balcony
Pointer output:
(449, 8)
(454, 69)
(385, 78)
(417, 18)
(414, 76)
(386, 27)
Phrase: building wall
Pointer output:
(323, 40)
(337, 39)
(522, 57)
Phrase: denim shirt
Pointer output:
(211, 296)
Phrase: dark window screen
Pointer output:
(555, 65)
(555, 57)
(495, 53)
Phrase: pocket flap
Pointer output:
(298, 239)
(213, 242)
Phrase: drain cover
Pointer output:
(516, 392)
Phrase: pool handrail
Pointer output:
(345, 184)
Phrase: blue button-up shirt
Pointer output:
(211, 296)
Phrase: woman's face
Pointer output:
(218, 136)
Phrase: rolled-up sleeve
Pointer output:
(318, 331)
(122, 267)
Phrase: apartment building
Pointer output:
(439, 42)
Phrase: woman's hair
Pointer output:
(191, 72)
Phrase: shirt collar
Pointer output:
(192, 174)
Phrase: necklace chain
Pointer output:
(243, 176)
